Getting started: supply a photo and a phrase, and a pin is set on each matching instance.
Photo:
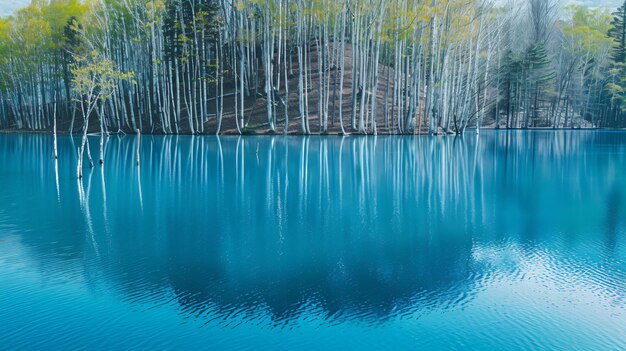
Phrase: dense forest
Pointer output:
(310, 66)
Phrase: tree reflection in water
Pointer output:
(360, 228)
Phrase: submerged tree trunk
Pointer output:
(138, 145)
(56, 153)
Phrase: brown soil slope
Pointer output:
(256, 109)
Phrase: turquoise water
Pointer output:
(507, 241)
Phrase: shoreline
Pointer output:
(332, 134)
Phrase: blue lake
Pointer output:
(506, 241)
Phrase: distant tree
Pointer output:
(618, 33)
(617, 86)
(540, 75)
(71, 45)
(4, 79)
(511, 79)
(587, 47)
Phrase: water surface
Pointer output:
(511, 240)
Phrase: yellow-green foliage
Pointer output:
(586, 30)
(95, 77)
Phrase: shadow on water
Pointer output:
(362, 228)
